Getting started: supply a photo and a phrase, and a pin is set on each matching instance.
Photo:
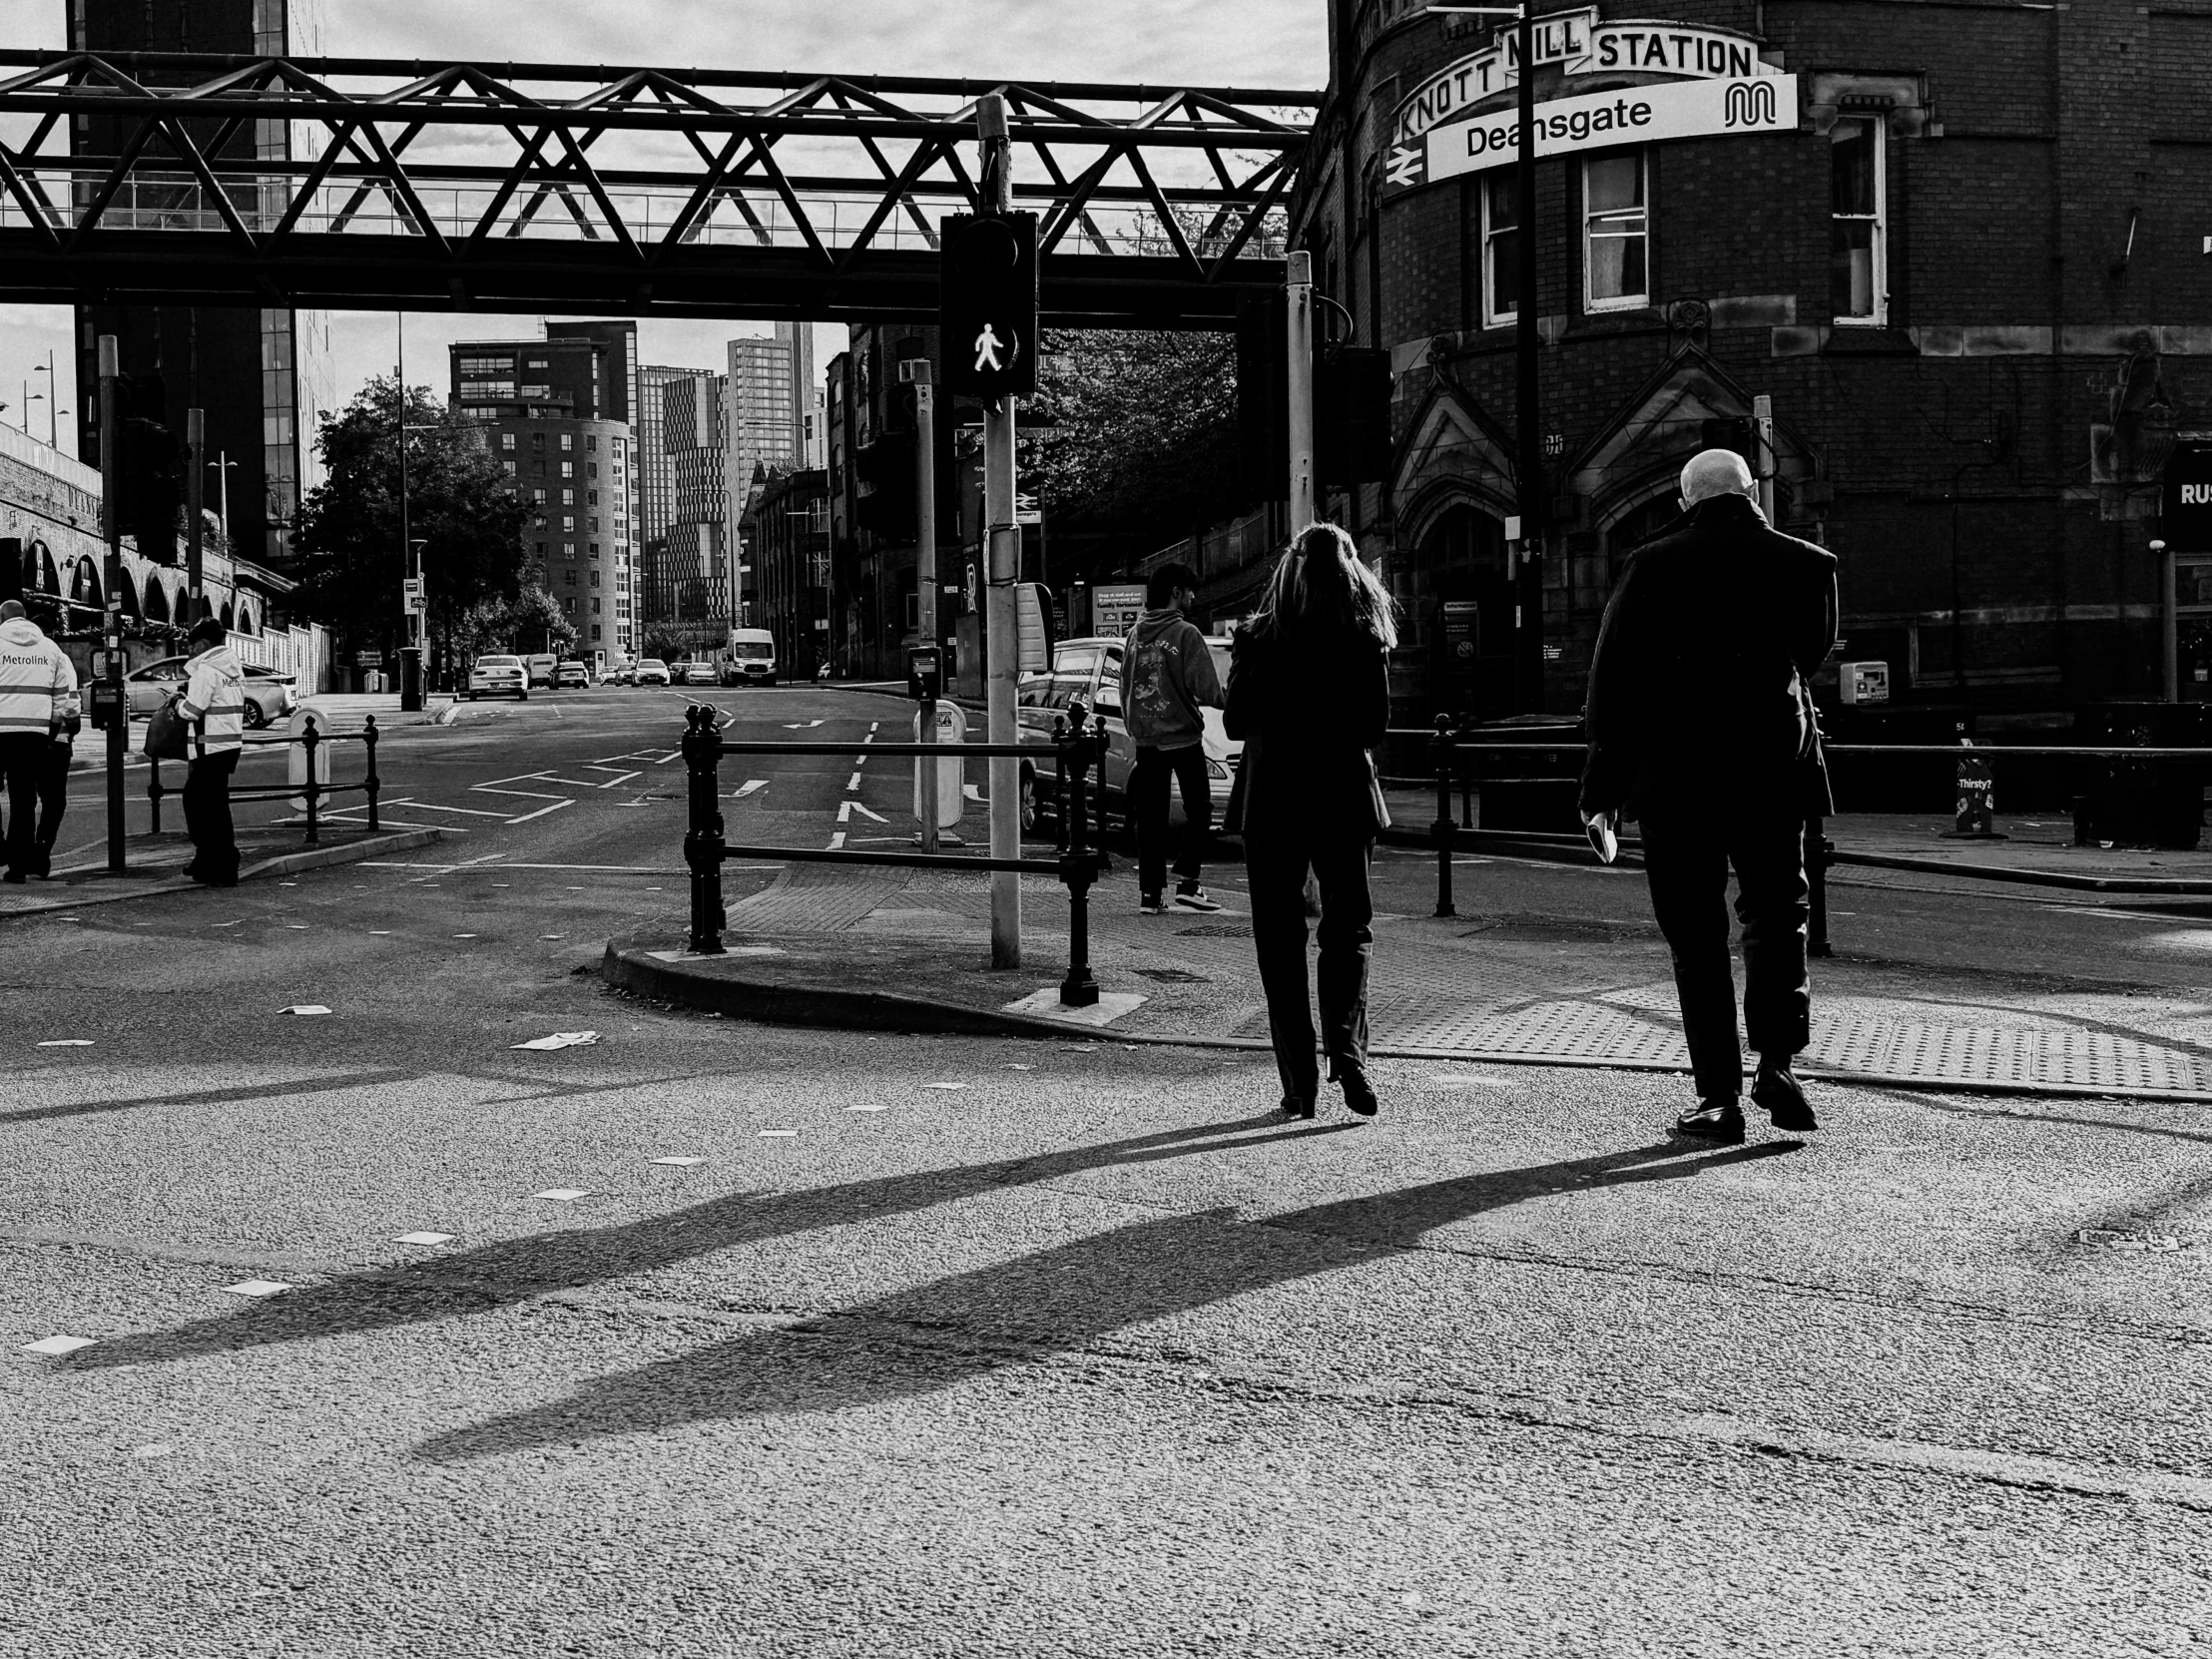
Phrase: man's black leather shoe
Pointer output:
(1718, 1121)
(1775, 1088)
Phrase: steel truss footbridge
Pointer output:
(383, 184)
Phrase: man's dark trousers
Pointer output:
(208, 818)
(53, 801)
(1148, 793)
(1687, 855)
(22, 758)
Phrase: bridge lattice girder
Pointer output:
(184, 179)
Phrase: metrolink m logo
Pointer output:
(1749, 104)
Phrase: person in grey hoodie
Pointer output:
(1167, 678)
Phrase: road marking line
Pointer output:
(971, 791)
(433, 806)
(835, 842)
(752, 785)
(624, 778)
(863, 812)
(801, 725)
(541, 811)
(853, 783)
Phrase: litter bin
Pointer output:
(295, 759)
(1537, 792)
(2146, 803)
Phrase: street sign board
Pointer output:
(368, 659)
(1115, 607)
(2185, 499)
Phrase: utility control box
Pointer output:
(1862, 682)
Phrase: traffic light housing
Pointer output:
(988, 305)
(1352, 405)
(147, 467)
(1351, 417)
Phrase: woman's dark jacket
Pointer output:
(1307, 707)
(1700, 690)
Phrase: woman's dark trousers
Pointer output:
(208, 816)
(1275, 861)
(1686, 859)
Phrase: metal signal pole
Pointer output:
(195, 473)
(411, 652)
(110, 623)
(916, 370)
(1529, 596)
(1002, 556)
(1299, 333)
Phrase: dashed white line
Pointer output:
(541, 811)
(853, 783)
(835, 842)
(752, 785)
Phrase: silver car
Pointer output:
(268, 694)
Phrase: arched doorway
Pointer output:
(84, 584)
(156, 602)
(1460, 595)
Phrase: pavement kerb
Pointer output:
(284, 863)
(634, 969)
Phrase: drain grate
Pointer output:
(1172, 976)
(1216, 930)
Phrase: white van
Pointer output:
(541, 668)
(749, 658)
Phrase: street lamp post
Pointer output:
(53, 397)
(221, 467)
(1528, 594)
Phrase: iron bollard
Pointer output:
(371, 782)
(1444, 830)
(1078, 868)
(703, 843)
(153, 794)
(1818, 849)
(311, 741)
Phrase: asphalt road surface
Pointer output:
(951, 1346)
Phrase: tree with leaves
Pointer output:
(1144, 430)
(460, 504)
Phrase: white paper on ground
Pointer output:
(57, 1344)
(1044, 1003)
(424, 1238)
(304, 1008)
(255, 1287)
(778, 1134)
(680, 1163)
(733, 950)
(947, 1085)
(562, 1195)
(560, 1040)
(868, 1108)
(1018, 1066)
(159, 1449)
(66, 1042)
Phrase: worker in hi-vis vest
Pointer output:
(36, 681)
(212, 706)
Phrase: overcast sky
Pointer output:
(1251, 43)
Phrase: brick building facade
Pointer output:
(1952, 242)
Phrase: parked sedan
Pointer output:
(696, 674)
(499, 677)
(572, 674)
(652, 671)
(268, 694)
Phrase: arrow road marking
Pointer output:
(853, 783)
(846, 809)
(752, 785)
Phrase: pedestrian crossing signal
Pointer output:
(987, 303)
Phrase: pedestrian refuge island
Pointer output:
(1078, 746)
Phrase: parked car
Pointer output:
(268, 694)
(652, 671)
(623, 674)
(696, 674)
(1091, 669)
(499, 677)
(541, 668)
(573, 674)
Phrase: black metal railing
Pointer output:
(1074, 751)
(310, 792)
(1448, 751)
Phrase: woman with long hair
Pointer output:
(1309, 693)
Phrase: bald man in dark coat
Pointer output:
(1700, 725)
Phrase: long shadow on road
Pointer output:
(518, 1269)
(935, 1335)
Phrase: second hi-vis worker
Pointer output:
(36, 683)
(213, 707)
